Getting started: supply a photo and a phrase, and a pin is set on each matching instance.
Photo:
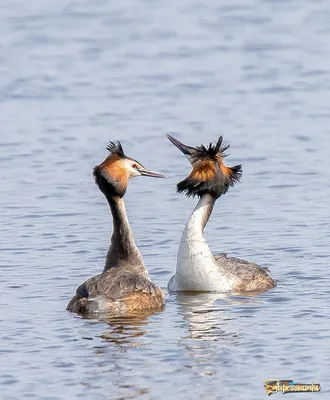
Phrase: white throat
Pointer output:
(196, 267)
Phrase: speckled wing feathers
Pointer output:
(117, 291)
(248, 277)
(117, 284)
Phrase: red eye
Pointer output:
(134, 166)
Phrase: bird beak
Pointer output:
(188, 151)
(153, 174)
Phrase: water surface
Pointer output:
(76, 74)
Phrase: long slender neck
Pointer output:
(196, 267)
(122, 250)
(200, 217)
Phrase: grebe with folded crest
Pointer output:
(197, 269)
(124, 285)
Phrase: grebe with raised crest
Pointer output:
(197, 269)
(124, 286)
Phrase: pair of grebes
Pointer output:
(124, 286)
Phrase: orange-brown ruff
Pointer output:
(197, 269)
(124, 286)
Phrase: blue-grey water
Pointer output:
(76, 74)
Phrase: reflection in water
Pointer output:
(205, 320)
(124, 330)
(206, 314)
(115, 336)
(211, 331)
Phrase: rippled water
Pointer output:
(76, 74)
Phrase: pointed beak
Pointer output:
(188, 151)
(153, 174)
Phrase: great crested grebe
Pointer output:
(197, 269)
(124, 285)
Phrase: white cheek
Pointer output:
(133, 173)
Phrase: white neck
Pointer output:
(193, 245)
(199, 218)
(196, 268)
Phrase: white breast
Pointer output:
(196, 267)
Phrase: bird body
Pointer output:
(197, 269)
(124, 285)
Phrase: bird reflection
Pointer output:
(207, 315)
(115, 337)
(125, 330)
(211, 329)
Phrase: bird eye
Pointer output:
(134, 166)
